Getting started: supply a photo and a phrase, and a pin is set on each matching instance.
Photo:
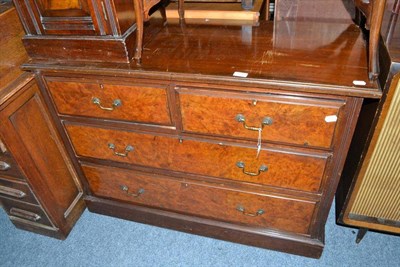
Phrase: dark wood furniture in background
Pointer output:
(91, 30)
(373, 11)
(39, 188)
(368, 195)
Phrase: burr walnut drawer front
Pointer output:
(24, 211)
(16, 190)
(281, 168)
(138, 103)
(200, 199)
(284, 119)
(8, 167)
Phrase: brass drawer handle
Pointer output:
(25, 214)
(244, 212)
(128, 149)
(242, 119)
(12, 192)
(4, 166)
(241, 165)
(116, 103)
(126, 190)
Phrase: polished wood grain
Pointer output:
(294, 120)
(12, 53)
(201, 200)
(31, 138)
(140, 102)
(288, 169)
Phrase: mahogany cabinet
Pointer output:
(36, 195)
(39, 189)
(182, 142)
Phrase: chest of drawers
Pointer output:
(178, 142)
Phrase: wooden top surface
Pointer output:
(308, 56)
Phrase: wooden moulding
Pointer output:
(96, 49)
(294, 244)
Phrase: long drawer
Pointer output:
(288, 169)
(138, 103)
(301, 121)
(201, 199)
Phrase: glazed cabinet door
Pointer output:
(71, 17)
(31, 137)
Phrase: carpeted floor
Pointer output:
(98, 240)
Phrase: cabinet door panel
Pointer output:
(35, 144)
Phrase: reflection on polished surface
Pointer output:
(325, 53)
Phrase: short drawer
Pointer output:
(27, 212)
(144, 104)
(16, 190)
(284, 119)
(202, 200)
(8, 167)
(288, 169)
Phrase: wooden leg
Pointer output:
(374, 36)
(163, 14)
(361, 233)
(181, 11)
(138, 4)
(267, 13)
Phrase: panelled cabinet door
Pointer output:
(69, 17)
(33, 140)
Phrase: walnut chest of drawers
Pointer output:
(180, 143)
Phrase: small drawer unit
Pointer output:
(8, 167)
(126, 102)
(17, 190)
(27, 213)
(293, 120)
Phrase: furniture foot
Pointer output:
(360, 235)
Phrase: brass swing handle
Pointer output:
(241, 165)
(116, 103)
(128, 149)
(244, 212)
(241, 118)
(4, 166)
(126, 190)
(25, 214)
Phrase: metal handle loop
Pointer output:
(244, 212)
(128, 149)
(116, 103)
(25, 214)
(241, 165)
(12, 192)
(126, 190)
(4, 166)
(242, 119)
